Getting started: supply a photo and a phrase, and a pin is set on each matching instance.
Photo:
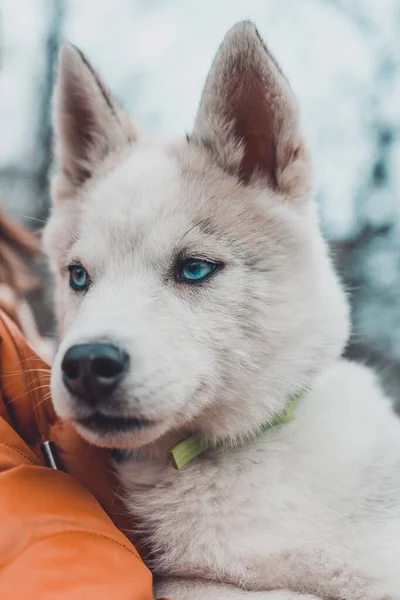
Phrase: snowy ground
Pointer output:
(342, 58)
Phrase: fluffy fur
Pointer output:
(310, 509)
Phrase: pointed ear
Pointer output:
(248, 115)
(88, 123)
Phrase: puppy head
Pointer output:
(193, 289)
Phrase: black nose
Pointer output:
(93, 371)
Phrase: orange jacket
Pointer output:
(56, 540)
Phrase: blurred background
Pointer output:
(342, 58)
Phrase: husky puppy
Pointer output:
(198, 308)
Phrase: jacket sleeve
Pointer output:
(56, 541)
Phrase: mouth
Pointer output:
(106, 424)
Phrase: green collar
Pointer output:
(191, 447)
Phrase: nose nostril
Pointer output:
(71, 369)
(106, 368)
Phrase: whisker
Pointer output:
(31, 381)
(34, 358)
(27, 391)
(190, 229)
(116, 495)
(45, 398)
(32, 218)
(26, 371)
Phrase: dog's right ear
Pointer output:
(88, 123)
(248, 116)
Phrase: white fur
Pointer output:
(308, 510)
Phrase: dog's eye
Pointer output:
(193, 270)
(78, 278)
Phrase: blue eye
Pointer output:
(78, 278)
(193, 270)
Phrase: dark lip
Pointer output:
(109, 424)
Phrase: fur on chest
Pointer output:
(315, 496)
(229, 507)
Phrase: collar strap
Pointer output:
(191, 447)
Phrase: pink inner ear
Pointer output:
(253, 124)
(78, 130)
(259, 156)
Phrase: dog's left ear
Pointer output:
(248, 116)
(88, 123)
